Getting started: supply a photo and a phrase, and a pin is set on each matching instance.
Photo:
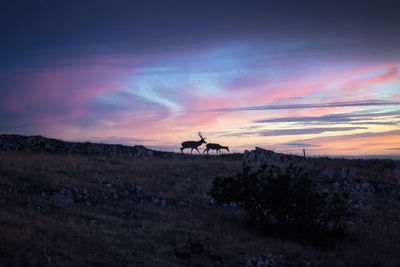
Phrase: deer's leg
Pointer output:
(181, 149)
(197, 150)
(191, 151)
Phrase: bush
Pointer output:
(284, 201)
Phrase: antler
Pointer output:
(201, 136)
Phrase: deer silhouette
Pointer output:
(193, 144)
(216, 147)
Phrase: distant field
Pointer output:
(69, 210)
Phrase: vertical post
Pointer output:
(304, 152)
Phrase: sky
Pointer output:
(283, 75)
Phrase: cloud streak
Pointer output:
(298, 131)
(336, 118)
(301, 145)
(362, 103)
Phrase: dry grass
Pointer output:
(36, 230)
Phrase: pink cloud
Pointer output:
(63, 86)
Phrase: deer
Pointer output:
(193, 144)
(217, 147)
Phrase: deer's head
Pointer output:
(203, 139)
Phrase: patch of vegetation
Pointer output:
(284, 201)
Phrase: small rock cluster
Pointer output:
(347, 181)
(111, 192)
(66, 196)
(279, 259)
(264, 155)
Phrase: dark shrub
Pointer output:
(283, 201)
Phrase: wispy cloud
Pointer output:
(339, 118)
(376, 123)
(298, 131)
(351, 137)
(301, 145)
(308, 106)
(372, 134)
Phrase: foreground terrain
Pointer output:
(67, 210)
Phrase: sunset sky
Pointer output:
(282, 75)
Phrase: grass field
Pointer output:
(58, 210)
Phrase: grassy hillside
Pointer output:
(68, 210)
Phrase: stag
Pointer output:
(193, 144)
(216, 147)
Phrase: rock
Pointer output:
(66, 196)
(63, 198)
(329, 173)
(45, 252)
(155, 200)
(138, 187)
(264, 155)
(210, 201)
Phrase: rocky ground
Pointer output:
(67, 204)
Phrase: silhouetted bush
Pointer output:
(284, 201)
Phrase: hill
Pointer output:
(68, 204)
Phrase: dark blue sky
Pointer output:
(75, 27)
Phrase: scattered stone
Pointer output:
(329, 173)
(138, 187)
(275, 260)
(45, 253)
(233, 205)
(210, 201)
